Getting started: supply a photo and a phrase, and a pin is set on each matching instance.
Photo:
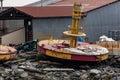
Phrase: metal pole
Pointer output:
(41, 3)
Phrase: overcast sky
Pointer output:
(9, 3)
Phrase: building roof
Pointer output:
(47, 11)
(60, 9)
(64, 8)
(88, 4)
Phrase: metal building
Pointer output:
(102, 16)
(102, 20)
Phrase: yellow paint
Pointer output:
(4, 56)
(75, 24)
(102, 57)
(58, 55)
(75, 30)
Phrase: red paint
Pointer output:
(41, 50)
(58, 47)
(13, 55)
(83, 58)
(73, 56)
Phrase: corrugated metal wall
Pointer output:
(14, 23)
(52, 26)
(98, 22)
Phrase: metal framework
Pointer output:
(75, 29)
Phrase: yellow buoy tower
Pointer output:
(75, 29)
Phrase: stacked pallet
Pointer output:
(112, 46)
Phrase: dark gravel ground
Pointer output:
(33, 66)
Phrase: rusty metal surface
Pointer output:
(53, 11)
(88, 4)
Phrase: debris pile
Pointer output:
(111, 45)
(89, 50)
(34, 68)
(93, 49)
